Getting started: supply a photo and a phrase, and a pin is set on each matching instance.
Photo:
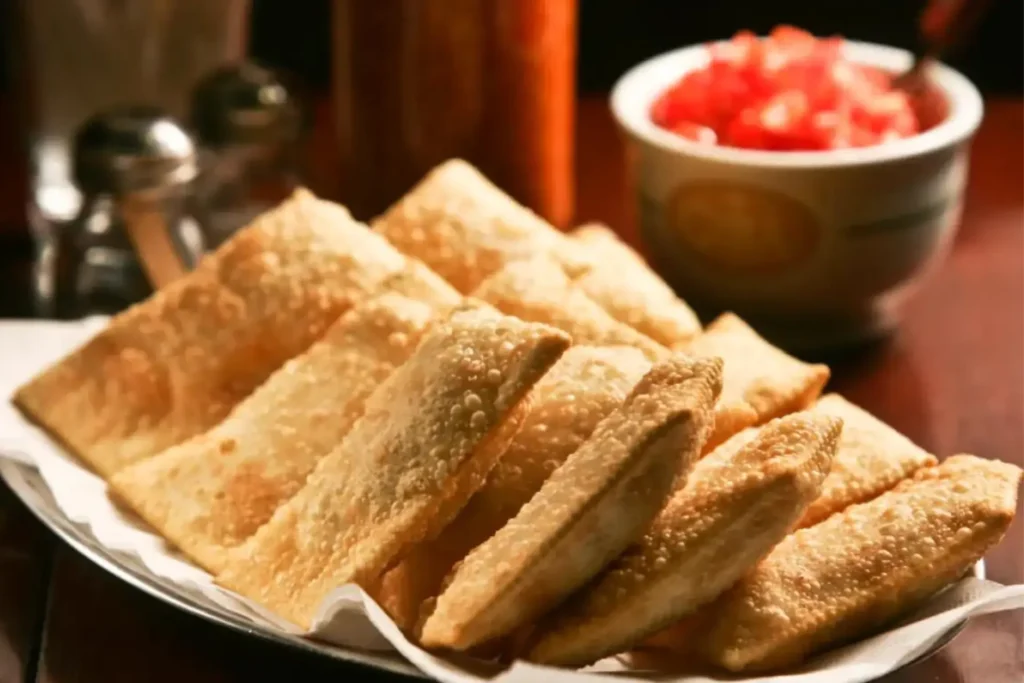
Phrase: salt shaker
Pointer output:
(248, 125)
(133, 166)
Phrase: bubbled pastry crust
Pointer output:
(465, 228)
(735, 507)
(624, 285)
(174, 365)
(873, 457)
(565, 407)
(212, 492)
(538, 289)
(855, 572)
(586, 513)
(429, 435)
(760, 382)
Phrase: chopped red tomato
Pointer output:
(789, 91)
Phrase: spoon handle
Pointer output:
(945, 24)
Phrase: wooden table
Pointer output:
(953, 381)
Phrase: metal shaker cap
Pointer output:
(244, 104)
(128, 149)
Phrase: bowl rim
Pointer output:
(635, 91)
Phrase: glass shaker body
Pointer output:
(238, 183)
(248, 125)
(97, 267)
(134, 167)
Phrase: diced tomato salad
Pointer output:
(789, 91)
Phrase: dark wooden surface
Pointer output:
(953, 380)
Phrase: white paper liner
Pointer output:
(348, 617)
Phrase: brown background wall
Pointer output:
(615, 34)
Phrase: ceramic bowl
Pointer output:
(815, 248)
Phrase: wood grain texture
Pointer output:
(25, 551)
(952, 380)
(99, 629)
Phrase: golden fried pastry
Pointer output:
(861, 568)
(418, 282)
(760, 381)
(429, 435)
(624, 285)
(565, 407)
(538, 289)
(463, 227)
(212, 492)
(734, 443)
(735, 507)
(873, 457)
(174, 365)
(586, 513)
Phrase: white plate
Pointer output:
(29, 486)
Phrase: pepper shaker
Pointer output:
(133, 166)
(248, 125)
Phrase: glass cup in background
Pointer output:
(74, 58)
(493, 82)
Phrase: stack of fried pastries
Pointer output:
(521, 443)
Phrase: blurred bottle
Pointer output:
(416, 83)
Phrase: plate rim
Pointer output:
(19, 478)
(79, 537)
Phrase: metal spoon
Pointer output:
(943, 25)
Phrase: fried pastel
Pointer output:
(465, 228)
(734, 508)
(873, 457)
(212, 492)
(429, 435)
(174, 365)
(586, 513)
(761, 382)
(539, 290)
(417, 281)
(624, 285)
(861, 568)
(584, 386)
